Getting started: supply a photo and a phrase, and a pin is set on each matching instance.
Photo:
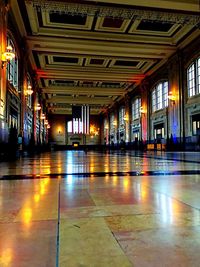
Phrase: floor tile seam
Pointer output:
(159, 212)
(109, 216)
(90, 197)
(58, 229)
(41, 220)
(164, 226)
(158, 228)
(120, 246)
(165, 194)
(157, 157)
(134, 215)
(111, 205)
(65, 212)
(32, 221)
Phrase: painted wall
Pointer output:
(58, 129)
(182, 112)
(59, 135)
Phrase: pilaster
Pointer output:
(174, 106)
(3, 34)
(144, 112)
(127, 101)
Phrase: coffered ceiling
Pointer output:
(94, 52)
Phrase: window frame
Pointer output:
(112, 119)
(159, 96)
(121, 116)
(193, 78)
(136, 107)
(12, 67)
(29, 97)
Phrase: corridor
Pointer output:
(112, 209)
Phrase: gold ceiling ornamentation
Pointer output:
(114, 12)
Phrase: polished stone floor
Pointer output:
(117, 209)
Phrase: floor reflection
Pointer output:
(105, 202)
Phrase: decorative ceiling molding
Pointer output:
(95, 52)
(115, 12)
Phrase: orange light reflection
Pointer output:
(6, 257)
(114, 180)
(106, 178)
(126, 184)
(36, 198)
(27, 215)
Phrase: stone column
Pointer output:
(108, 128)
(34, 107)
(24, 87)
(174, 105)
(128, 119)
(144, 112)
(116, 121)
(3, 42)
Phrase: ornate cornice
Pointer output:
(115, 12)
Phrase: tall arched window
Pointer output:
(136, 105)
(105, 124)
(159, 96)
(12, 65)
(121, 116)
(29, 96)
(112, 118)
(193, 78)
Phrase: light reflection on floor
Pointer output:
(118, 215)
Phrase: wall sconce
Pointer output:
(43, 117)
(38, 107)
(172, 97)
(115, 123)
(46, 122)
(94, 130)
(29, 90)
(7, 56)
(48, 126)
(126, 117)
(142, 111)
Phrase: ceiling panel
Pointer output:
(95, 53)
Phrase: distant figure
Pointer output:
(122, 144)
(31, 146)
(136, 143)
(12, 142)
(171, 143)
(112, 145)
(86, 150)
(20, 146)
